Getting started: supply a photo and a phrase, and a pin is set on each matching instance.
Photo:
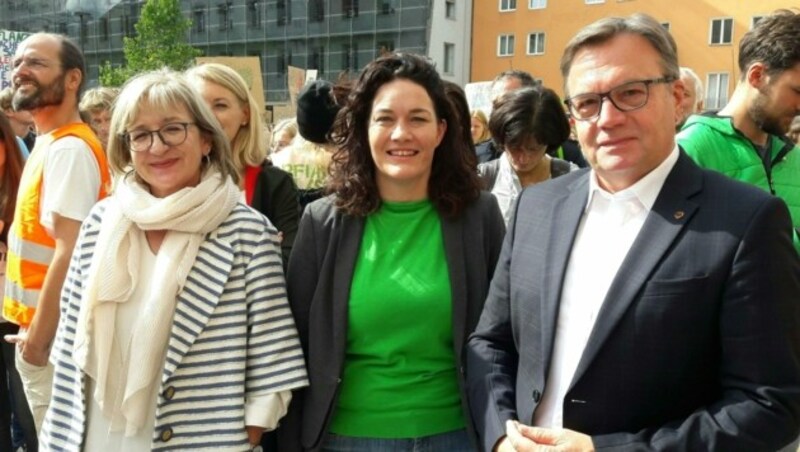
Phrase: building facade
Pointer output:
(531, 35)
(331, 36)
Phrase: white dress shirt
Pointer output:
(607, 230)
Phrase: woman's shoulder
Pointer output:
(244, 217)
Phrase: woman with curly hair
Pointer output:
(389, 273)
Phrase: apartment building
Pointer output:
(531, 35)
(330, 36)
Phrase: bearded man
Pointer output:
(63, 178)
(747, 140)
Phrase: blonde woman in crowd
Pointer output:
(479, 127)
(175, 330)
(283, 134)
(95, 108)
(267, 189)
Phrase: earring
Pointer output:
(207, 158)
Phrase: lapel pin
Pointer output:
(678, 214)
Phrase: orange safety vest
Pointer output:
(30, 247)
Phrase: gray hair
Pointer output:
(605, 29)
(686, 72)
(163, 90)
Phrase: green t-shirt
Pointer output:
(400, 378)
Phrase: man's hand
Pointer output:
(31, 352)
(524, 438)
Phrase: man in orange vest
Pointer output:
(64, 177)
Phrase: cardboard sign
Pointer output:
(250, 70)
(9, 40)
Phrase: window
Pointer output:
(450, 9)
(508, 5)
(316, 10)
(449, 58)
(754, 21)
(254, 13)
(104, 30)
(62, 28)
(717, 92)
(281, 63)
(284, 12)
(350, 8)
(505, 45)
(594, 2)
(317, 59)
(721, 31)
(223, 11)
(537, 4)
(386, 7)
(350, 56)
(199, 19)
(665, 25)
(127, 25)
(536, 43)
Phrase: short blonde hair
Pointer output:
(481, 117)
(163, 90)
(98, 99)
(247, 145)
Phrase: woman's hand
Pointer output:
(254, 434)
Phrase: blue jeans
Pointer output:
(456, 441)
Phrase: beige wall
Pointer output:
(690, 22)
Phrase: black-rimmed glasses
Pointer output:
(626, 97)
(172, 134)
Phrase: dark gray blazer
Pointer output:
(319, 277)
(697, 345)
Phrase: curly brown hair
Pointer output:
(453, 183)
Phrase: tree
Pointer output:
(160, 41)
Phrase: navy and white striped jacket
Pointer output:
(232, 337)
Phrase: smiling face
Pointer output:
(38, 79)
(167, 169)
(404, 132)
(229, 111)
(622, 147)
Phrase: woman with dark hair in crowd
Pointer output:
(528, 124)
(12, 395)
(389, 273)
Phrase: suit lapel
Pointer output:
(671, 212)
(185, 328)
(452, 232)
(566, 216)
(347, 254)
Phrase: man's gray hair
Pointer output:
(699, 92)
(608, 28)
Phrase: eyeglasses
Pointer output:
(172, 134)
(626, 97)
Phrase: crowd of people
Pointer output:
(392, 271)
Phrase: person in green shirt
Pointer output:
(390, 272)
(746, 140)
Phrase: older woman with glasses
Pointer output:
(175, 330)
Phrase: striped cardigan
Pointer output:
(232, 337)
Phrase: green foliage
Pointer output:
(160, 41)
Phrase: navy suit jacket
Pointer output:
(697, 344)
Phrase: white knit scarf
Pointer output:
(188, 215)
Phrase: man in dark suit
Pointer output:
(645, 304)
